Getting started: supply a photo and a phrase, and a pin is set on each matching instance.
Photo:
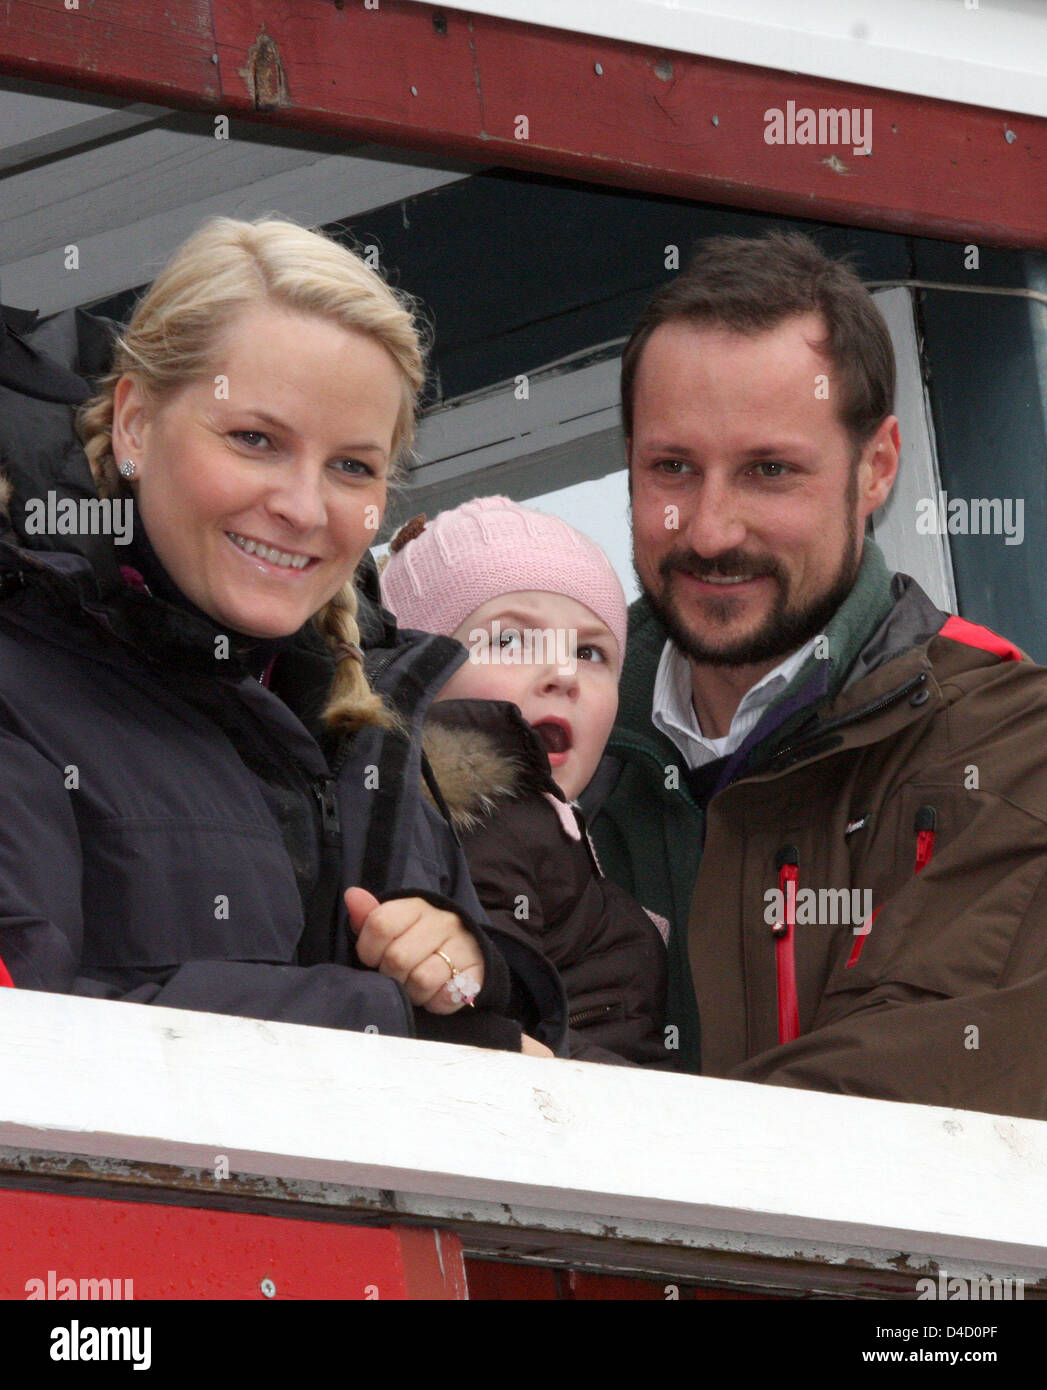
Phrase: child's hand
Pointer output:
(402, 938)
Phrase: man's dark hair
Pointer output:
(751, 285)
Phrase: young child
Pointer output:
(515, 736)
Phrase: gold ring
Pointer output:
(447, 962)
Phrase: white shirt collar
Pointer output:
(673, 711)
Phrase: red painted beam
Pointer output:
(451, 83)
(53, 1246)
(130, 48)
(498, 1280)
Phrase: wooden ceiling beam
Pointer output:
(538, 99)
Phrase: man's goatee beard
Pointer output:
(784, 631)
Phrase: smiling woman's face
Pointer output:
(260, 497)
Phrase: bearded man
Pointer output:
(835, 792)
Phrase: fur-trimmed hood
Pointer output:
(536, 874)
(484, 752)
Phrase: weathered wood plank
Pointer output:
(129, 47)
(596, 109)
(989, 55)
(696, 128)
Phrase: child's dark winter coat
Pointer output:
(537, 876)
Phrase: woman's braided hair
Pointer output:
(223, 268)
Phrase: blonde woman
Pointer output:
(205, 803)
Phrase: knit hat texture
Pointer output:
(493, 546)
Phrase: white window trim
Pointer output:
(927, 558)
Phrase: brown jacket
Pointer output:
(921, 783)
(944, 999)
(537, 877)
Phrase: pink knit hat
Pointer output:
(443, 572)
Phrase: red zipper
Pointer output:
(785, 956)
(926, 820)
(859, 939)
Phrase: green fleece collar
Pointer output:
(854, 622)
(644, 642)
(851, 626)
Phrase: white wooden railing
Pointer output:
(589, 1166)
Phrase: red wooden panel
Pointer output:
(491, 1279)
(707, 1294)
(588, 1287)
(647, 119)
(668, 123)
(186, 1252)
(133, 48)
(696, 127)
(432, 1264)
(324, 65)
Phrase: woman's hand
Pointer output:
(531, 1047)
(402, 939)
